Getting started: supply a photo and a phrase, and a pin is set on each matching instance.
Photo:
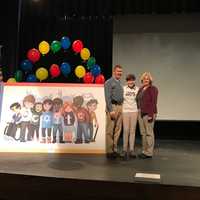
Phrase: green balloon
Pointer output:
(91, 62)
(18, 75)
(55, 46)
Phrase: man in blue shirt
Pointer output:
(114, 99)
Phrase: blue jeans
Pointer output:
(82, 129)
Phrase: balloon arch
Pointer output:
(90, 75)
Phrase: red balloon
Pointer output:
(100, 79)
(77, 46)
(54, 70)
(88, 78)
(33, 55)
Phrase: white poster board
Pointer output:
(33, 121)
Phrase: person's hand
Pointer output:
(113, 115)
(96, 125)
(150, 119)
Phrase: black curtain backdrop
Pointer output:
(47, 21)
(88, 20)
(8, 36)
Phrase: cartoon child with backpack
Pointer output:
(15, 123)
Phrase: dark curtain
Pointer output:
(88, 20)
(49, 24)
(8, 36)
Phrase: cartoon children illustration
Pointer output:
(35, 120)
(92, 106)
(77, 102)
(15, 122)
(47, 120)
(28, 103)
(82, 125)
(57, 119)
(69, 120)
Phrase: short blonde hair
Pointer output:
(148, 74)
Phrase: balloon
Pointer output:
(80, 71)
(42, 73)
(18, 75)
(33, 55)
(85, 53)
(44, 47)
(26, 65)
(54, 70)
(91, 62)
(31, 78)
(88, 78)
(11, 80)
(100, 79)
(55, 46)
(65, 68)
(65, 42)
(77, 46)
(96, 70)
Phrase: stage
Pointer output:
(32, 175)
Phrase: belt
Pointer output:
(116, 103)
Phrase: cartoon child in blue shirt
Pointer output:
(47, 120)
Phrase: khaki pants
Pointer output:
(129, 126)
(147, 133)
(113, 129)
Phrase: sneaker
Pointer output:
(124, 155)
(144, 156)
(132, 154)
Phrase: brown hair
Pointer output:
(29, 98)
(117, 66)
(91, 101)
(65, 105)
(48, 101)
(130, 77)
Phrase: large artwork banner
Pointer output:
(49, 117)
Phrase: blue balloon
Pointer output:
(65, 42)
(65, 68)
(31, 78)
(26, 65)
(95, 70)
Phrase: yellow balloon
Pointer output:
(11, 80)
(85, 53)
(80, 71)
(42, 73)
(44, 47)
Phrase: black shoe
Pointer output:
(132, 155)
(54, 140)
(78, 141)
(143, 156)
(109, 155)
(115, 155)
(124, 155)
(61, 140)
